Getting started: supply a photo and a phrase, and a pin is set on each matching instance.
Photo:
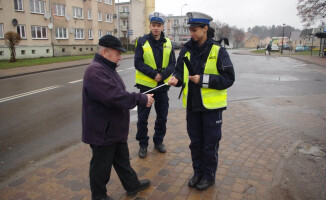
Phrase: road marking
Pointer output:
(28, 93)
(120, 70)
(76, 81)
(131, 68)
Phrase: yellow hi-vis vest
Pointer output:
(149, 60)
(212, 98)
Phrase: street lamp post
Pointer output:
(182, 7)
(282, 39)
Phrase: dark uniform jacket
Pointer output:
(157, 47)
(198, 58)
(106, 104)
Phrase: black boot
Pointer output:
(204, 184)
(142, 152)
(160, 147)
(193, 181)
(142, 186)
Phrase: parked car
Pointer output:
(274, 47)
(286, 47)
(176, 45)
(301, 47)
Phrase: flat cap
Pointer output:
(157, 17)
(197, 19)
(110, 41)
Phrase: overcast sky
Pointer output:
(240, 13)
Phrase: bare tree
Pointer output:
(11, 40)
(311, 10)
(238, 36)
(225, 31)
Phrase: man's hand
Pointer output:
(150, 100)
(173, 81)
(195, 79)
(158, 78)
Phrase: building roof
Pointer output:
(295, 35)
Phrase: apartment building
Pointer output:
(55, 27)
(176, 28)
(133, 19)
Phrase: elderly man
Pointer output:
(105, 120)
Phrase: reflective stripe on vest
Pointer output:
(149, 60)
(212, 98)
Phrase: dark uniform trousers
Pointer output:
(161, 107)
(204, 130)
(100, 168)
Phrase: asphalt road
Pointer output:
(41, 113)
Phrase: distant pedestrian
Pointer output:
(204, 96)
(258, 47)
(269, 48)
(105, 120)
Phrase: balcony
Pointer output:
(124, 15)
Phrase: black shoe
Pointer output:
(142, 152)
(143, 185)
(160, 147)
(204, 184)
(193, 181)
(107, 198)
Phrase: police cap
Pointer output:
(157, 17)
(110, 41)
(197, 19)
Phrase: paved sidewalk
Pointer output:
(254, 147)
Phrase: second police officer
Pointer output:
(154, 63)
(204, 96)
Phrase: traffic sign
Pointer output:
(130, 32)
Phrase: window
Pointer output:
(61, 33)
(21, 30)
(99, 33)
(1, 31)
(18, 5)
(2, 53)
(186, 30)
(176, 22)
(125, 9)
(90, 34)
(23, 52)
(185, 21)
(39, 32)
(109, 32)
(108, 17)
(47, 50)
(78, 13)
(89, 14)
(125, 22)
(99, 0)
(108, 2)
(59, 9)
(33, 52)
(79, 33)
(99, 16)
(37, 6)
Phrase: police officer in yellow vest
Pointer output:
(154, 63)
(204, 96)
